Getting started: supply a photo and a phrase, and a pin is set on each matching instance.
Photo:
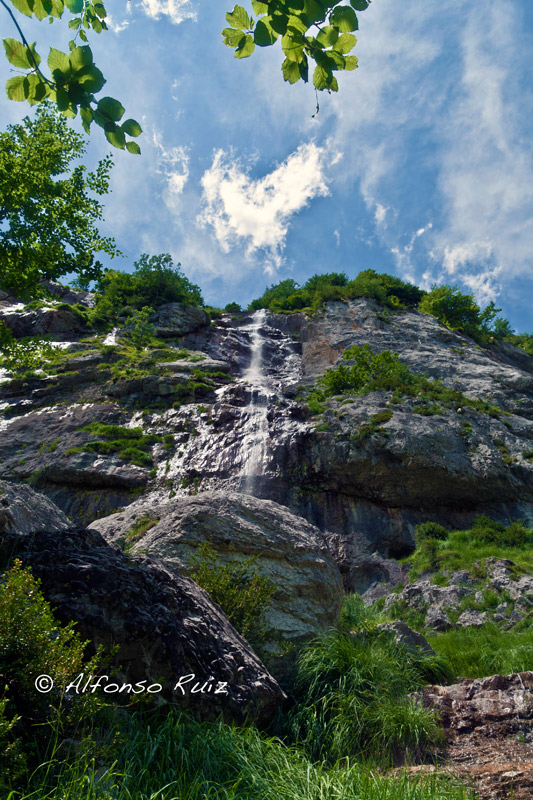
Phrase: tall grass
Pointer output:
(352, 692)
(173, 758)
(487, 650)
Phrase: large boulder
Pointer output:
(289, 551)
(55, 322)
(165, 627)
(176, 319)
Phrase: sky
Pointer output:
(420, 166)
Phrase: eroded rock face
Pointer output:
(58, 323)
(176, 319)
(165, 626)
(24, 511)
(489, 727)
(289, 551)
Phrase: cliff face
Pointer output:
(365, 485)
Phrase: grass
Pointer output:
(138, 529)
(487, 650)
(169, 757)
(130, 444)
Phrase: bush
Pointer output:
(238, 588)
(139, 330)
(385, 289)
(233, 308)
(488, 531)
(362, 371)
(155, 281)
(430, 530)
(20, 355)
(460, 311)
(32, 643)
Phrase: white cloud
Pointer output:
(176, 10)
(259, 211)
(173, 163)
(403, 255)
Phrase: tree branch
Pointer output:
(25, 42)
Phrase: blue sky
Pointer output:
(420, 166)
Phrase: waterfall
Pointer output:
(255, 428)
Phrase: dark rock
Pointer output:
(407, 637)
(164, 626)
(176, 319)
(24, 511)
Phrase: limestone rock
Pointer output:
(26, 511)
(176, 319)
(165, 626)
(290, 551)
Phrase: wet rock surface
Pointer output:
(164, 625)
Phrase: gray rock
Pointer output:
(25, 511)
(437, 620)
(58, 323)
(206, 364)
(290, 551)
(164, 626)
(90, 470)
(407, 637)
(176, 319)
(472, 619)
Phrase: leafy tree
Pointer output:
(155, 281)
(309, 30)
(73, 78)
(459, 310)
(47, 214)
(140, 330)
(386, 289)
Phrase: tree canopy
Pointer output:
(309, 30)
(48, 210)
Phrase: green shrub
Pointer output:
(139, 331)
(232, 308)
(488, 531)
(238, 588)
(131, 444)
(460, 311)
(362, 371)
(155, 281)
(19, 355)
(32, 643)
(430, 530)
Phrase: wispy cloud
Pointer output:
(176, 10)
(258, 211)
(173, 163)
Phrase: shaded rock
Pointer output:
(407, 637)
(176, 319)
(90, 470)
(437, 620)
(373, 577)
(24, 511)
(290, 551)
(205, 364)
(68, 295)
(60, 323)
(165, 626)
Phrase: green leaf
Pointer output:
(24, 7)
(36, 89)
(264, 33)
(279, 23)
(131, 127)
(74, 24)
(344, 18)
(100, 10)
(313, 12)
(233, 37)
(74, 6)
(133, 147)
(350, 63)
(345, 43)
(39, 9)
(59, 65)
(291, 71)
(238, 18)
(259, 8)
(21, 56)
(246, 47)
(296, 25)
(360, 5)
(328, 36)
(115, 137)
(80, 57)
(86, 115)
(83, 36)
(57, 9)
(15, 88)
(90, 78)
(293, 47)
(111, 108)
(321, 77)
